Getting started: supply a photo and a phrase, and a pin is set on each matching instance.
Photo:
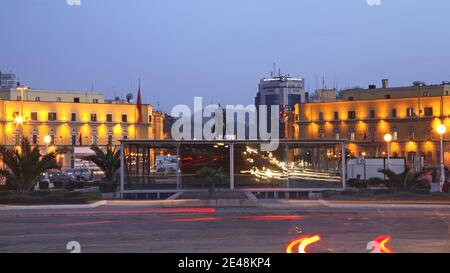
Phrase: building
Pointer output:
(363, 116)
(73, 120)
(7, 80)
(284, 91)
(28, 94)
(324, 95)
(418, 89)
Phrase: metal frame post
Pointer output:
(178, 168)
(231, 166)
(344, 166)
(122, 166)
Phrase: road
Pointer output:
(132, 228)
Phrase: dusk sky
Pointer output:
(221, 49)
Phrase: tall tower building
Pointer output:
(284, 91)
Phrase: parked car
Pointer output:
(80, 175)
(58, 176)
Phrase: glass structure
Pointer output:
(170, 165)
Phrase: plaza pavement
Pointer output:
(143, 226)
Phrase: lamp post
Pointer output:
(441, 129)
(47, 140)
(388, 139)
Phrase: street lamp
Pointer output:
(19, 120)
(388, 139)
(441, 129)
(47, 140)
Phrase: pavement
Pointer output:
(141, 226)
(224, 203)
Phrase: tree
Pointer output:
(404, 181)
(212, 176)
(24, 165)
(108, 162)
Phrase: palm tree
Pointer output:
(212, 176)
(404, 181)
(24, 165)
(108, 162)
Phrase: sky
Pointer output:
(220, 49)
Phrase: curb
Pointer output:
(331, 204)
(54, 207)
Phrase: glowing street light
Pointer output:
(388, 139)
(47, 140)
(441, 129)
(19, 120)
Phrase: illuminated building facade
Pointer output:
(364, 116)
(73, 125)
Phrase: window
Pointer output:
(336, 116)
(321, 132)
(51, 116)
(16, 139)
(395, 135)
(73, 117)
(34, 139)
(19, 98)
(412, 132)
(93, 117)
(352, 136)
(350, 98)
(76, 99)
(394, 113)
(74, 140)
(320, 116)
(337, 133)
(387, 96)
(33, 116)
(58, 99)
(150, 118)
(428, 133)
(372, 133)
(372, 114)
(426, 94)
(37, 99)
(110, 139)
(16, 114)
(410, 112)
(428, 111)
(95, 100)
(124, 118)
(94, 140)
(52, 139)
(351, 114)
(108, 117)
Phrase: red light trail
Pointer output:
(302, 243)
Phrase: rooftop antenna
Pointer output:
(323, 82)
(317, 82)
(279, 72)
(274, 69)
(334, 81)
